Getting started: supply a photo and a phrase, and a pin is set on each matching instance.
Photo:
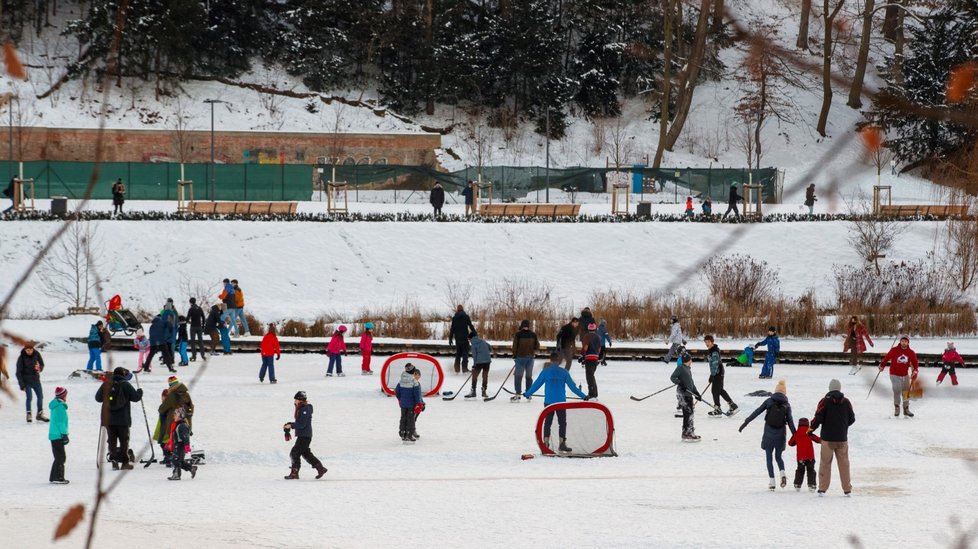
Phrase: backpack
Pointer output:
(117, 399)
(777, 415)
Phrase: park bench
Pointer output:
(914, 210)
(244, 208)
(530, 210)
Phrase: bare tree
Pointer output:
(961, 247)
(877, 154)
(689, 76)
(335, 144)
(179, 133)
(745, 136)
(25, 119)
(871, 236)
(479, 141)
(68, 272)
(830, 10)
(806, 11)
(856, 91)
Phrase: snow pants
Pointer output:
(31, 389)
(141, 359)
(365, 365)
(561, 423)
(267, 364)
(524, 369)
(805, 465)
(182, 349)
(407, 421)
(840, 451)
(226, 340)
(900, 385)
(94, 358)
(58, 467)
(301, 450)
(948, 368)
(686, 405)
(769, 359)
(118, 439)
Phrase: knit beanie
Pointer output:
(172, 381)
(803, 422)
(409, 368)
(524, 324)
(60, 393)
(835, 385)
(781, 387)
(950, 345)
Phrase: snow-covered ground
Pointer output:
(464, 484)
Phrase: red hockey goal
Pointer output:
(431, 372)
(590, 430)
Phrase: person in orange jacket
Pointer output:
(270, 352)
(689, 206)
(901, 358)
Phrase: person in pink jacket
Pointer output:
(949, 358)
(335, 351)
(141, 344)
(366, 347)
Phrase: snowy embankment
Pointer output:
(464, 483)
(303, 270)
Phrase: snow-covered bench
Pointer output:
(244, 208)
(914, 210)
(530, 210)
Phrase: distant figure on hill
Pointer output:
(437, 198)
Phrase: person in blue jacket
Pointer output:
(605, 339)
(303, 438)
(160, 335)
(555, 380)
(95, 347)
(408, 393)
(771, 356)
(58, 434)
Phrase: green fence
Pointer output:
(152, 181)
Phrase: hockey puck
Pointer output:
(525, 457)
(447, 393)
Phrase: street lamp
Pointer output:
(212, 102)
(9, 99)
(547, 132)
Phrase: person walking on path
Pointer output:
(366, 348)
(95, 347)
(948, 360)
(555, 381)
(30, 364)
(900, 360)
(717, 374)
(468, 193)
(777, 416)
(195, 321)
(458, 334)
(437, 198)
(115, 395)
(566, 341)
(118, 196)
(834, 415)
(303, 438)
(855, 343)
(525, 347)
(732, 200)
(810, 198)
(773, 344)
(686, 391)
(270, 352)
(58, 435)
(676, 340)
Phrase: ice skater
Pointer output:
(686, 391)
(717, 374)
(335, 350)
(675, 341)
(777, 415)
(481, 361)
(58, 434)
(948, 360)
(366, 348)
(30, 364)
(900, 359)
(270, 352)
(408, 393)
(803, 441)
(773, 344)
(180, 446)
(525, 347)
(302, 423)
(555, 381)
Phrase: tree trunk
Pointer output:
(666, 84)
(429, 106)
(891, 20)
(855, 93)
(806, 11)
(687, 82)
(827, 43)
(898, 44)
(717, 24)
(761, 116)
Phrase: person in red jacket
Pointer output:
(804, 453)
(335, 350)
(900, 359)
(949, 358)
(855, 342)
(270, 352)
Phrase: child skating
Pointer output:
(773, 344)
(803, 441)
(686, 391)
(335, 351)
(366, 348)
(58, 434)
(948, 360)
(408, 393)
(302, 423)
(141, 344)
(180, 446)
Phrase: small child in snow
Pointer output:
(226, 335)
(180, 445)
(58, 434)
(270, 352)
(366, 348)
(161, 437)
(335, 351)
(182, 341)
(418, 408)
(141, 344)
(302, 423)
(805, 453)
(949, 358)
(605, 340)
(771, 356)
(689, 207)
(707, 207)
(408, 393)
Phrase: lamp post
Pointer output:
(547, 132)
(9, 98)
(211, 178)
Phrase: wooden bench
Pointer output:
(530, 210)
(244, 208)
(914, 210)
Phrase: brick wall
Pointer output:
(229, 147)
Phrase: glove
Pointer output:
(288, 435)
(609, 344)
(64, 439)
(710, 380)
(882, 368)
(580, 359)
(684, 343)
(278, 357)
(418, 408)
(810, 431)
(139, 392)
(287, 426)
(742, 425)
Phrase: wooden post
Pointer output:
(185, 194)
(878, 191)
(477, 194)
(23, 190)
(753, 197)
(619, 191)
(333, 192)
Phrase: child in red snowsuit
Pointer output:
(950, 357)
(805, 454)
(689, 206)
(366, 347)
(335, 350)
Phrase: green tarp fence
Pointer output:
(276, 182)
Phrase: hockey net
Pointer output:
(590, 430)
(431, 372)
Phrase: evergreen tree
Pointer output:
(946, 39)
(237, 31)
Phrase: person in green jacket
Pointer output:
(685, 393)
(58, 434)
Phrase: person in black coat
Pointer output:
(30, 364)
(437, 198)
(116, 395)
(566, 337)
(468, 193)
(195, 321)
(458, 333)
(732, 200)
(302, 424)
(834, 415)
(587, 319)
(211, 325)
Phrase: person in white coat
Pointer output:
(676, 340)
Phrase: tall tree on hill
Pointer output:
(947, 40)
(856, 90)
(237, 31)
(804, 16)
(830, 11)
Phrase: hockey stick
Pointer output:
(502, 386)
(568, 397)
(152, 458)
(874, 384)
(98, 449)
(639, 399)
(464, 383)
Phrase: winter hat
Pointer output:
(905, 337)
(772, 329)
(301, 395)
(950, 345)
(524, 324)
(602, 322)
(835, 385)
(369, 326)
(172, 381)
(120, 371)
(193, 300)
(341, 329)
(675, 318)
(409, 368)
(803, 422)
(781, 387)
(592, 326)
(554, 355)
(60, 393)
(733, 183)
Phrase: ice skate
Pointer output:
(811, 488)
(546, 442)
(797, 487)
(484, 394)
(29, 420)
(896, 410)
(341, 374)
(470, 395)
(715, 412)
(293, 474)
(59, 481)
(733, 409)
(514, 398)
(563, 446)
(193, 472)
(770, 484)
(175, 475)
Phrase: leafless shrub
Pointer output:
(872, 236)
(457, 292)
(914, 284)
(510, 301)
(740, 279)
(68, 272)
(961, 248)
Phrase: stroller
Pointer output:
(120, 320)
